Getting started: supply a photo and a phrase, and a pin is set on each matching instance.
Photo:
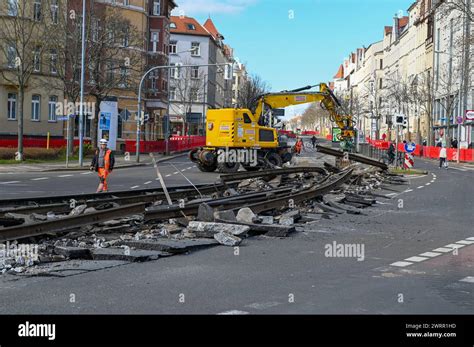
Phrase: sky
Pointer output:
(294, 43)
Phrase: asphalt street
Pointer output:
(418, 258)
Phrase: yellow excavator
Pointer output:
(237, 136)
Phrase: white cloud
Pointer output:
(199, 7)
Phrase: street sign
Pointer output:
(459, 119)
(410, 147)
(335, 134)
(409, 162)
(469, 115)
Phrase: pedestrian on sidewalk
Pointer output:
(103, 163)
(442, 157)
(313, 141)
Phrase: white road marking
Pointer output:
(401, 263)
(427, 184)
(456, 168)
(233, 312)
(176, 172)
(134, 187)
(453, 246)
(65, 175)
(10, 182)
(465, 242)
(165, 176)
(470, 238)
(420, 187)
(390, 194)
(194, 166)
(147, 182)
(190, 167)
(40, 179)
(183, 170)
(408, 190)
(443, 250)
(432, 181)
(468, 279)
(86, 173)
(416, 259)
(430, 254)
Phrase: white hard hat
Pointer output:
(103, 141)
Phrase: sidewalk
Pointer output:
(465, 164)
(120, 163)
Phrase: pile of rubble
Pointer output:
(134, 238)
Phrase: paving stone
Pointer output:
(131, 255)
(227, 239)
(206, 229)
(171, 246)
(73, 252)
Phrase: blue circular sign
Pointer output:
(410, 147)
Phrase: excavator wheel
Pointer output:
(206, 168)
(274, 159)
(228, 167)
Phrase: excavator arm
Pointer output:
(325, 97)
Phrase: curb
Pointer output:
(85, 168)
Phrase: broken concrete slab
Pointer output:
(171, 246)
(284, 220)
(76, 211)
(206, 229)
(127, 254)
(227, 239)
(266, 219)
(226, 215)
(246, 215)
(327, 208)
(205, 213)
(73, 252)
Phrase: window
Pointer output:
(156, 8)
(110, 72)
(11, 56)
(247, 119)
(173, 25)
(190, 26)
(381, 64)
(124, 77)
(195, 49)
(53, 63)
(95, 30)
(37, 10)
(380, 83)
(195, 72)
(35, 107)
(125, 37)
(37, 59)
(54, 11)
(126, 2)
(173, 47)
(53, 100)
(173, 93)
(153, 78)
(11, 112)
(154, 41)
(13, 7)
(194, 95)
(175, 71)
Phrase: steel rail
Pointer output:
(89, 196)
(273, 172)
(62, 224)
(355, 157)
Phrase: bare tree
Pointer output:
(313, 115)
(250, 91)
(25, 30)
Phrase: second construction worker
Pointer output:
(103, 163)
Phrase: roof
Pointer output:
(403, 22)
(209, 25)
(388, 30)
(340, 72)
(182, 23)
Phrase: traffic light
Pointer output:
(401, 119)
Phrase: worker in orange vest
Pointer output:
(103, 163)
(298, 146)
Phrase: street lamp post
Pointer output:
(140, 97)
(83, 54)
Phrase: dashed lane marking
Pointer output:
(443, 250)
(401, 263)
(457, 168)
(86, 173)
(10, 182)
(233, 312)
(176, 172)
(427, 184)
(165, 176)
(147, 182)
(453, 246)
(408, 190)
(468, 279)
(134, 187)
(470, 238)
(390, 194)
(465, 242)
(190, 167)
(65, 176)
(416, 259)
(430, 254)
(40, 179)
(420, 187)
